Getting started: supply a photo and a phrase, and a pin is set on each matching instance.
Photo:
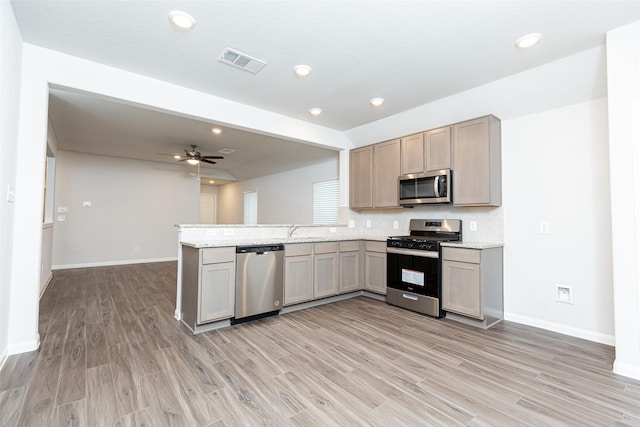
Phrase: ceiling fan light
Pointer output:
(177, 157)
(193, 161)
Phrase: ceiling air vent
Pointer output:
(241, 60)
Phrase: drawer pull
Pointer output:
(411, 297)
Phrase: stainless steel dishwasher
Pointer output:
(259, 281)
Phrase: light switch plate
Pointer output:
(63, 209)
(86, 204)
(61, 218)
(544, 227)
(11, 194)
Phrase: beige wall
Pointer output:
(135, 206)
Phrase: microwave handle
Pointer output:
(435, 186)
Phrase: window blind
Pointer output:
(326, 197)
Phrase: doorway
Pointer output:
(208, 209)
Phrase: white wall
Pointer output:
(623, 73)
(10, 70)
(135, 207)
(42, 68)
(556, 170)
(547, 128)
(283, 198)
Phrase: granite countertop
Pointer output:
(219, 243)
(472, 245)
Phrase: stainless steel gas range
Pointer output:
(413, 265)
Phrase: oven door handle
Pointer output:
(423, 254)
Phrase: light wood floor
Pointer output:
(112, 355)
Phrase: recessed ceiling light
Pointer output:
(315, 111)
(376, 102)
(528, 40)
(193, 161)
(217, 131)
(182, 20)
(302, 70)
(212, 182)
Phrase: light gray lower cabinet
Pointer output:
(472, 283)
(349, 263)
(298, 273)
(208, 284)
(325, 269)
(375, 267)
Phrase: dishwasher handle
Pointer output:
(260, 250)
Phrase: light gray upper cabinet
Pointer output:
(437, 149)
(386, 167)
(412, 153)
(477, 176)
(349, 266)
(373, 175)
(325, 269)
(426, 151)
(361, 178)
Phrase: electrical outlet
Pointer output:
(11, 194)
(228, 231)
(211, 232)
(564, 294)
(61, 218)
(136, 248)
(352, 224)
(473, 225)
(63, 209)
(332, 230)
(86, 204)
(395, 225)
(544, 227)
(368, 223)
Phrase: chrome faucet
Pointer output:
(292, 228)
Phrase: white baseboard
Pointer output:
(3, 357)
(24, 346)
(111, 263)
(44, 288)
(626, 369)
(562, 329)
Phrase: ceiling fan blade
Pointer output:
(212, 157)
(208, 161)
(183, 160)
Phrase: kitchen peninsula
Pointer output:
(322, 264)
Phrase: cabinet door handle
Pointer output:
(411, 297)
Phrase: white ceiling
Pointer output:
(408, 52)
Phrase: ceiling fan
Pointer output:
(193, 157)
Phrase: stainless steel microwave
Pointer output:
(425, 188)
